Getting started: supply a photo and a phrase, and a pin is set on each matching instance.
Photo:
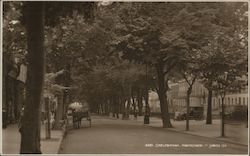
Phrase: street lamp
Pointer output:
(146, 116)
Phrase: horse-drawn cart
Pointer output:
(79, 114)
(78, 117)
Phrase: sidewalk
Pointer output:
(11, 140)
(236, 133)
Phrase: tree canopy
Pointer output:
(106, 48)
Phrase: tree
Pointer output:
(190, 71)
(161, 37)
(52, 89)
(232, 27)
(229, 67)
(112, 82)
(30, 133)
(65, 46)
(33, 19)
(107, 71)
(140, 41)
(14, 51)
(199, 35)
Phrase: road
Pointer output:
(110, 136)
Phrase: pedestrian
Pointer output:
(4, 118)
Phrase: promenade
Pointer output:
(11, 140)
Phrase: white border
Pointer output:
(1, 65)
(1, 73)
(248, 74)
(136, 0)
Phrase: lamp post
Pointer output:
(146, 116)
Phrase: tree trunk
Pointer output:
(5, 93)
(117, 107)
(209, 107)
(139, 99)
(146, 101)
(123, 109)
(31, 122)
(47, 111)
(16, 101)
(162, 96)
(106, 107)
(113, 106)
(103, 107)
(123, 102)
(189, 91)
(128, 108)
(65, 97)
(59, 112)
(21, 98)
(133, 102)
(98, 109)
(222, 116)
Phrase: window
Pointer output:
(239, 100)
(232, 101)
(236, 101)
(243, 101)
(228, 100)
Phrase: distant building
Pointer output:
(178, 92)
(176, 97)
(198, 98)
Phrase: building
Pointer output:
(178, 93)
(177, 98)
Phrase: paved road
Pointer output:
(110, 136)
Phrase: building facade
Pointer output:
(176, 97)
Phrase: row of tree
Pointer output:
(118, 51)
(178, 41)
(187, 41)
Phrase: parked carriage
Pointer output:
(196, 113)
(78, 117)
(79, 113)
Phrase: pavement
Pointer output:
(11, 140)
(109, 135)
(236, 133)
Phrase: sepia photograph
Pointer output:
(124, 77)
